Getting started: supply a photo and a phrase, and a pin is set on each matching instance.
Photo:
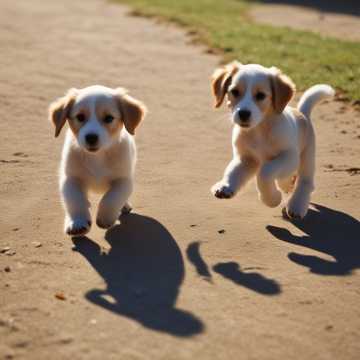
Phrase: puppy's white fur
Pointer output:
(275, 143)
(108, 166)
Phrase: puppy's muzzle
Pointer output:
(244, 117)
(92, 141)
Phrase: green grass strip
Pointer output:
(306, 57)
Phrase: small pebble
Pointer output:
(193, 225)
(222, 231)
(20, 154)
(7, 269)
(10, 252)
(5, 249)
(93, 321)
(37, 244)
(66, 340)
(22, 344)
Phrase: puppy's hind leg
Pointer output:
(279, 168)
(298, 203)
(76, 205)
(113, 202)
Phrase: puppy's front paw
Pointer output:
(77, 227)
(222, 191)
(296, 209)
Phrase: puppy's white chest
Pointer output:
(97, 169)
(258, 147)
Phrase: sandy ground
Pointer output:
(322, 21)
(186, 276)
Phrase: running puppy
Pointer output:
(99, 153)
(270, 140)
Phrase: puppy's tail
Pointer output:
(314, 95)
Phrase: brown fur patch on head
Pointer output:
(59, 110)
(283, 89)
(132, 111)
(105, 107)
(265, 104)
(221, 80)
(116, 125)
(75, 126)
(114, 128)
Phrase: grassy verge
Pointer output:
(223, 25)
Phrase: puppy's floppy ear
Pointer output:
(283, 89)
(132, 111)
(59, 110)
(221, 80)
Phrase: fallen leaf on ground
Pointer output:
(60, 296)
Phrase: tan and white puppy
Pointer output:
(99, 153)
(270, 140)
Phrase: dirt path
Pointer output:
(168, 283)
(341, 26)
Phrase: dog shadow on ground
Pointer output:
(251, 280)
(328, 231)
(232, 271)
(143, 270)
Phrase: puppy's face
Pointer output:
(253, 92)
(96, 115)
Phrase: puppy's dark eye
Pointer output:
(108, 119)
(235, 93)
(260, 96)
(80, 118)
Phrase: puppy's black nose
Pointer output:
(91, 139)
(244, 115)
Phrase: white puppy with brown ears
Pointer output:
(99, 153)
(272, 141)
